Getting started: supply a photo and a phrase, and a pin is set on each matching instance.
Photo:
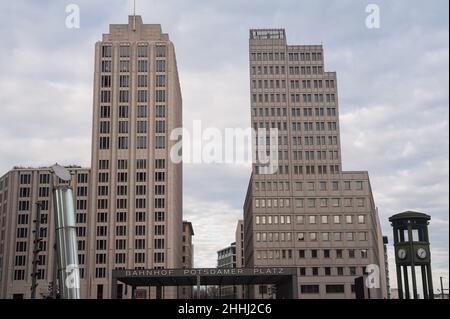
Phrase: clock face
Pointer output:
(421, 253)
(401, 253)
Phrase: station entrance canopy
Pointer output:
(284, 278)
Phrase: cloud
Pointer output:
(393, 95)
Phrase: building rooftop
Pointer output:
(409, 215)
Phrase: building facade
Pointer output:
(226, 258)
(129, 204)
(20, 190)
(310, 214)
(188, 257)
(136, 188)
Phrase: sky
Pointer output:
(393, 95)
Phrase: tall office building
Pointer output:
(129, 204)
(226, 258)
(136, 208)
(187, 292)
(310, 214)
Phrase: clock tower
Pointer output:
(412, 253)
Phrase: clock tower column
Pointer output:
(412, 253)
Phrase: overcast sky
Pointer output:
(393, 95)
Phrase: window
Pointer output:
(364, 253)
(363, 236)
(301, 253)
(335, 202)
(361, 219)
(160, 111)
(351, 253)
(124, 66)
(142, 81)
(106, 51)
(160, 81)
(335, 289)
(160, 51)
(142, 51)
(124, 51)
(359, 185)
(141, 142)
(309, 289)
(350, 236)
(160, 142)
(103, 177)
(160, 65)
(142, 65)
(160, 96)
(141, 111)
(123, 142)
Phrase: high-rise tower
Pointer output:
(310, 214)
(136, 206)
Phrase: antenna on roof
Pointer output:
(134, 15)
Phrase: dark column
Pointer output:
(424, 282)
(198, 287)
(159, 292)
(430, 282)
(133, 292)
(399, 282)
(405, 274)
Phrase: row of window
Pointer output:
(312, 236)
(292, 70)
(298, 170)
(121, 230)
(160, 163)
(141, 111)
(309, 186)
(121, 217)
(123, 142)
(122, 177)
(141, 127)
(124, 81)
(295, 112)
(122, 203)
(312, 219)
(287, 254)
(310, 202)
(25, 179)
(294, 98)
(124, 96)
(280, 56)
(125, 51)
